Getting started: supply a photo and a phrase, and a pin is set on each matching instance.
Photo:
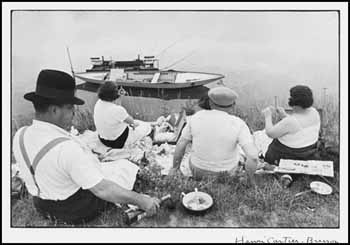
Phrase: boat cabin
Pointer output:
(100, 64)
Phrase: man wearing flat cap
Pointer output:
(214, 135)
(66, 182)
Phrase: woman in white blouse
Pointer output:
(296, 135)
(115, 127)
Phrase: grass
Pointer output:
(236, 205)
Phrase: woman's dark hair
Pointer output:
(301, 96)
(108, 91)
(204, 102)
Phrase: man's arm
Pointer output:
(112, 192)
(179, 153)
(84, 170)
(246, 141)
(252, 154)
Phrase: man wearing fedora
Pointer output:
(65, 181)
(214, 134)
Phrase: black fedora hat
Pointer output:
(55, 87)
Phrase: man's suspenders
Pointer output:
(38, 156)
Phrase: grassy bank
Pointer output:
(236, 205)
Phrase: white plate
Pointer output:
(321, 188)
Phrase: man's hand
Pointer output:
(149, 204)
(246, 180)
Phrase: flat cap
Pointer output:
(222, 96)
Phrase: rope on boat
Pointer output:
(122, 91)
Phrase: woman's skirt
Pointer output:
(277, 151)
(119, 142)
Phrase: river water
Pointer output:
(139, 107)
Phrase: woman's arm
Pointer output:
(129, 120)
(281, 112)
(279, 129)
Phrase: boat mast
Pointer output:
(70, 61)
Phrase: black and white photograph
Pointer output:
(175, 122)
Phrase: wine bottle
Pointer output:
(144, 161)
(133, 215)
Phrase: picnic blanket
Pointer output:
(122, 165)
(262, 141)
(165, 160)
(161, 155)
(121, 171)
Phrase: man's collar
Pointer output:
(108, 102)
(220, 111)
(50, 125)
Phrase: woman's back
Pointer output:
(308, 117)
(306, 127)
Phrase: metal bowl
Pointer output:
(197, 202)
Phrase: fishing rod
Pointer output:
(182, 59)
(171, 45)
(167, 48)
(70, 61)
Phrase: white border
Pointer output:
(170, 234)
(175, 6)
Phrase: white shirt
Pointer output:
(307, 127)
(63, 170)
(215, 135)
(109, 119)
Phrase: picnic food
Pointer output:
(197, 203)
(168, 129)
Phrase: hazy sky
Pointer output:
(247, 47)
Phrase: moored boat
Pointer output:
(142, 75)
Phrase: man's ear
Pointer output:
(53, 109)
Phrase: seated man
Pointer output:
(214, 135)
(116, 128)
(66, 183)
